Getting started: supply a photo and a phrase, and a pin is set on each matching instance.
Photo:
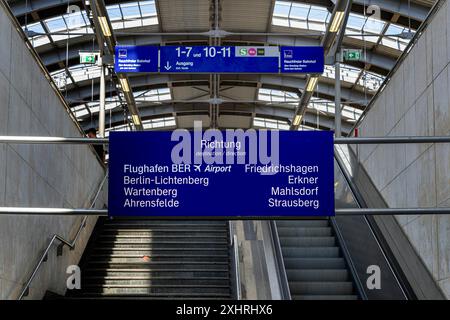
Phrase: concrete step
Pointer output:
(163, 236)
(310, 252)
(161, 290)
(162, 245)
(325, 297)
(311, 275)
(307, 241)
(147, 295)
(161, 265)
(151, 259)
(165, 232)
(162, 241)
(320, 288)
(165, 223)
(199, 273)
(314, 263)
(159, 251)
(319, 223)
(160, 259)
(304, 232)
(144, 283)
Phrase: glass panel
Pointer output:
(299, 11)
(318, 14)
(282, 9)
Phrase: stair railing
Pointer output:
(281, 269)
(234, 244)
(63, 242)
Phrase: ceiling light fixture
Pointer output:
(297, 120)
(337, 21)
(124, 84)
(311, 84)
(105, 26)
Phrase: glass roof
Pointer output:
(87, 109)
(123, 16)
(311, 17)
(267, 123)
(325, 107)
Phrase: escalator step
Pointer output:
(303, 223)
(321, 288)
(312, 252)
(318, 275)
(314, 263)
(307, 241)
(304, 232)
(324, 297)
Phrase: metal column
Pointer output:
(101, 113)
(337, 101)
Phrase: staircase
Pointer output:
(129, 258)
(314, 266)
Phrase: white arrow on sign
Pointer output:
(168, 66)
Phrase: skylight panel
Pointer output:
(159, 123)
(299, 11)
(130, 10)
(274, 96)
(148, 8)
(267, 123)
(318, 14)
(355, 22)
(282, 9)
(374, 26)
(114, 12)
(56, 24)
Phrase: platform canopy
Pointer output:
(382, 29)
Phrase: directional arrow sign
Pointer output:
(216, 59)
(168, 66)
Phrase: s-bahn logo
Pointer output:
(123, 53)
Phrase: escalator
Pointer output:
(138, 258)
(315, 267)
(329, 258)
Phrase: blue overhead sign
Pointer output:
(221, 174)
(302, 59)
(129, 59)
(215, 59)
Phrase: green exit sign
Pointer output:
(352, 55)
(88, 57)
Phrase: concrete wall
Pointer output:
(416, 102)
(37, 175)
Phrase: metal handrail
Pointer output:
(70, 244)
(359, 140)
(282, 276)
(387, 211)
(348, 259)
(237, 276)
(339, 212)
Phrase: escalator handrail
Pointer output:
(358, 199)
(281, 269)
(70, 243)
(348, 259)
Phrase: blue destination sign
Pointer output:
(302, 59)
(209, 59)
(216, 59)
(136, 59)
(231, 173)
